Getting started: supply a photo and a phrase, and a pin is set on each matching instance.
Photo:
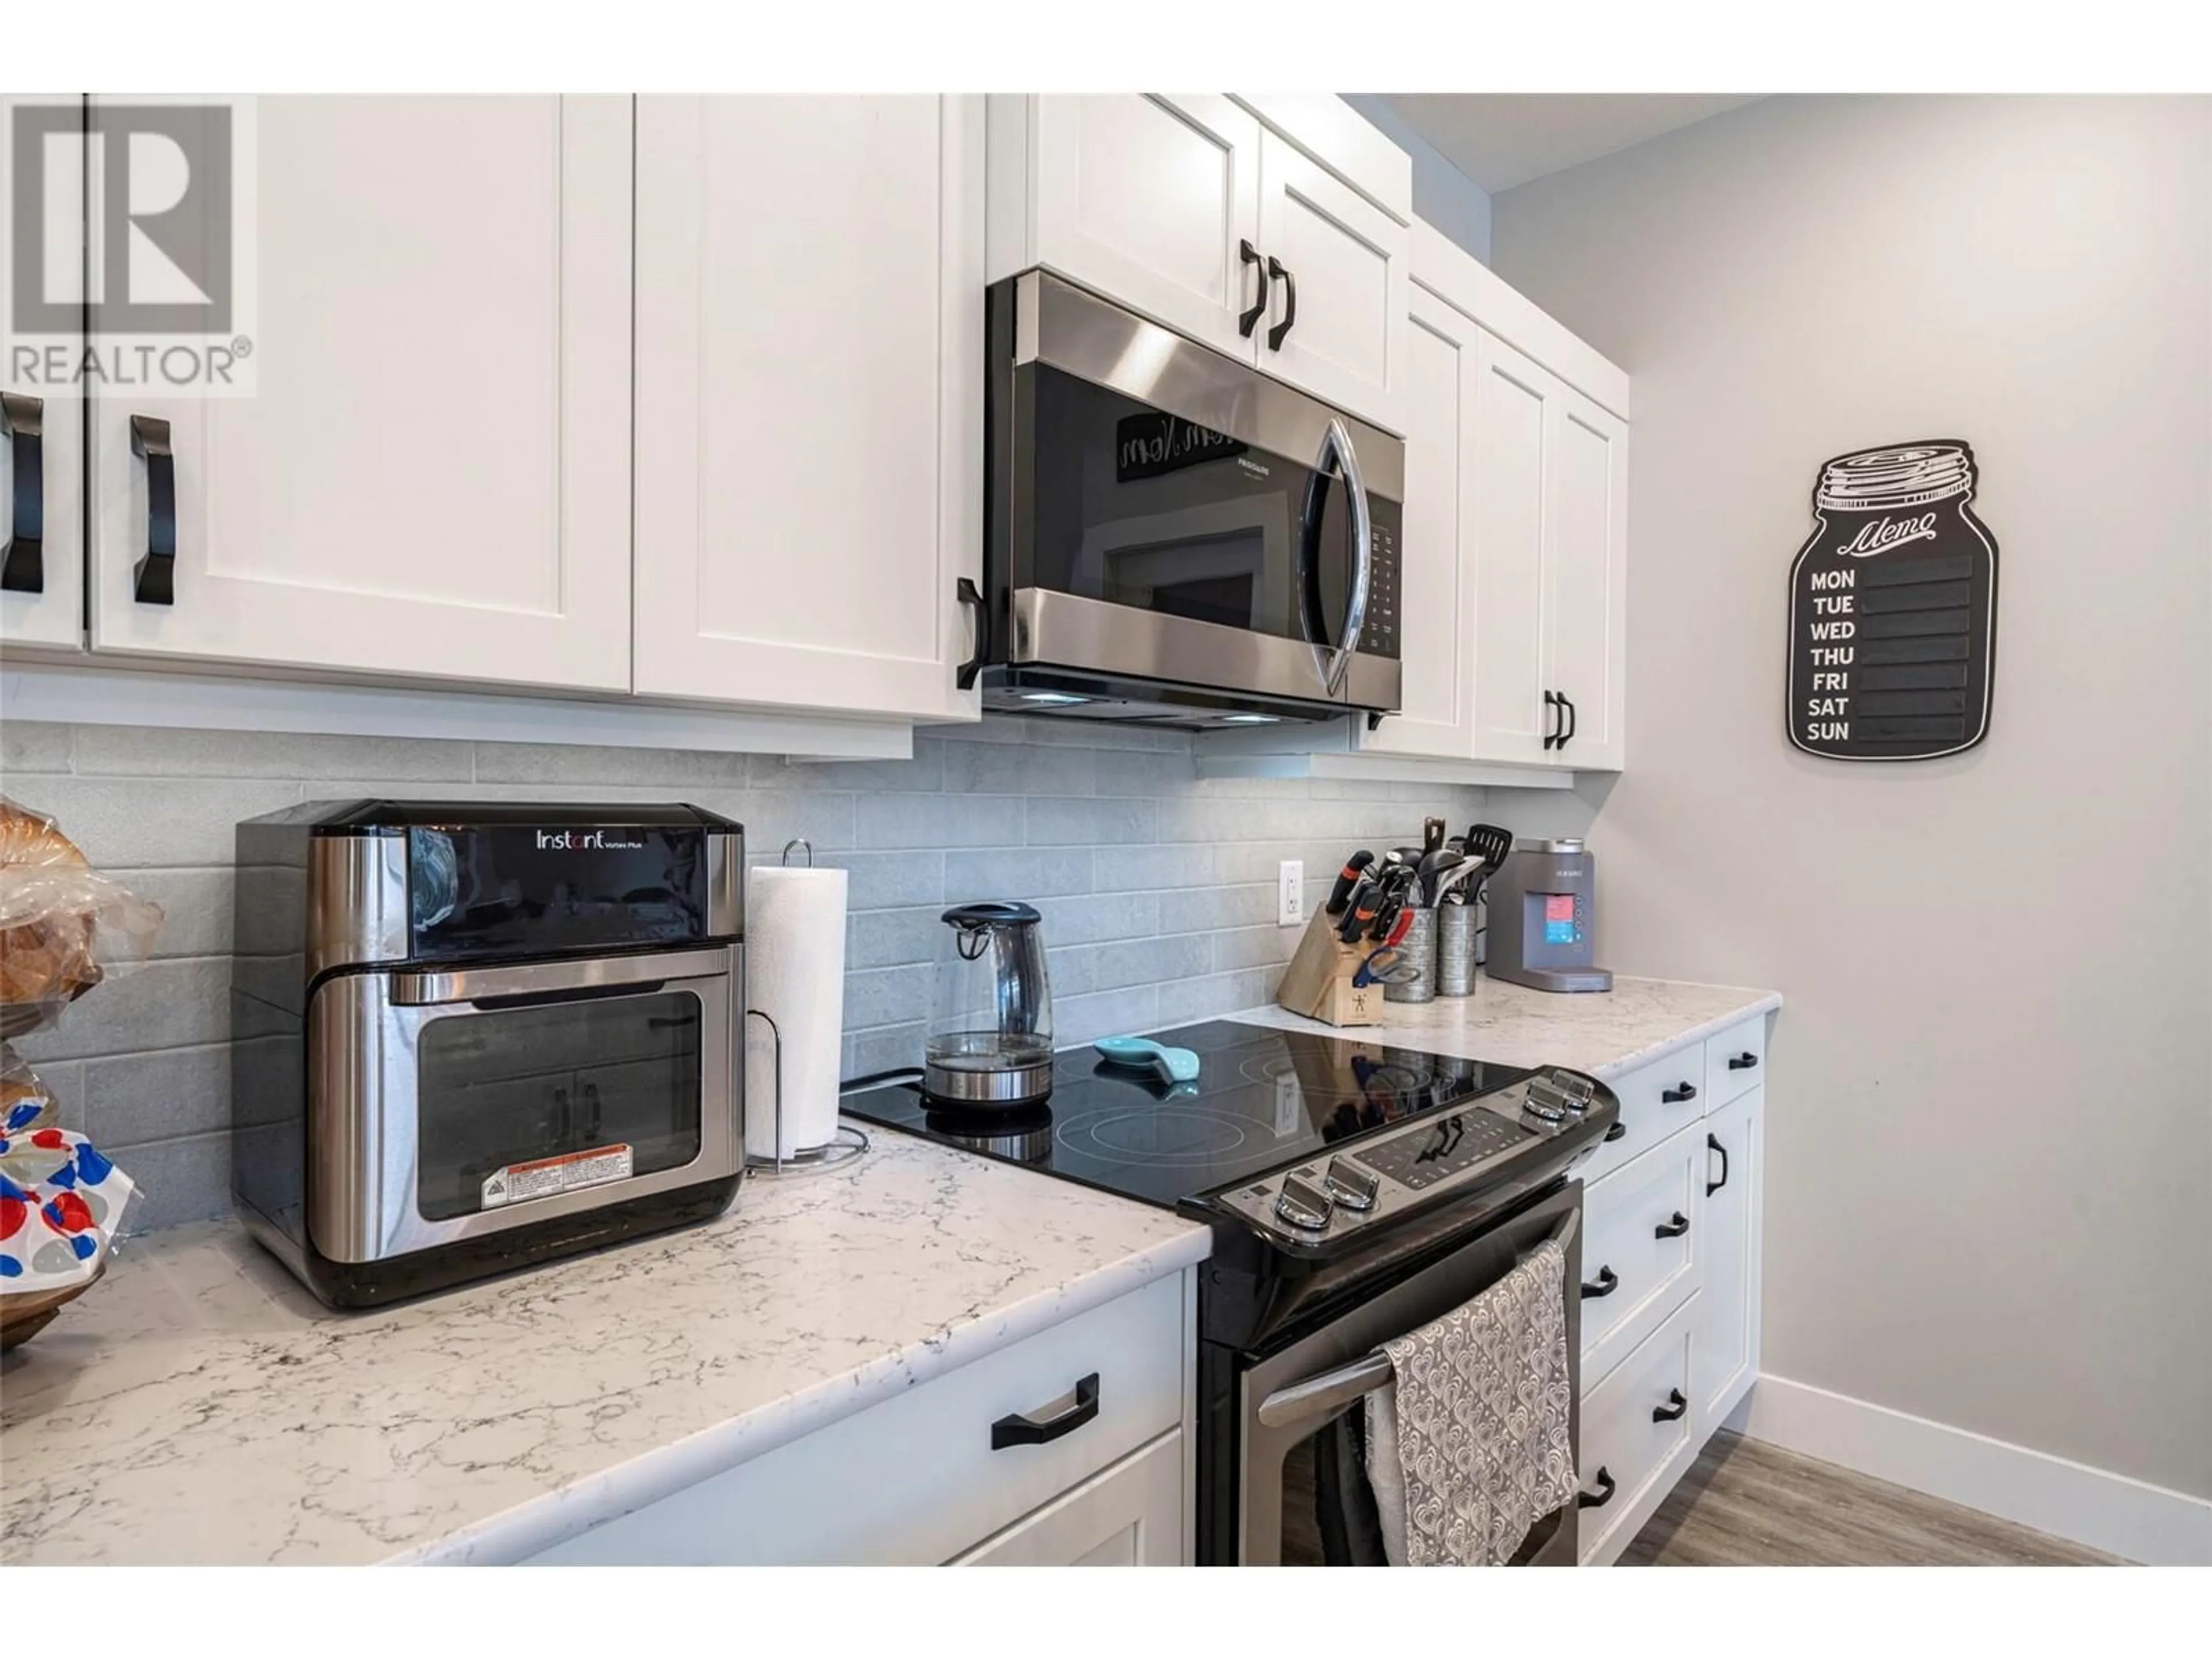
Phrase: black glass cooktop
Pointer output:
(1264, 1099)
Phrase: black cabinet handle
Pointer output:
(1020, 1431)
(1277, 268)
(1607, 1282)
(1553, 719)
(1574, 720)
(1673, 1408)
(1673, 1228)
(1679, 1093)
(1713, 1144)
(23, 565)
(1618, 1130)
(155, 578)
(972, 596)
(1249, 320)
(1601, 1496)
(1745, 1061)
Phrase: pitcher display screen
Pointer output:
(525, 890)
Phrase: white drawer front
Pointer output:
(1637, 1437)
(915, 1479)
(1735, 1060)
(1129, 1515)
(1656, 1100)
(1642, 1252)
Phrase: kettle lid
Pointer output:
(991, 913)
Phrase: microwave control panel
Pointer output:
(1379, 632)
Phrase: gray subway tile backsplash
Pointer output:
(1157, 888)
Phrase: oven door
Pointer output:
(1301, 1488)
(1178, 517)
(447, 1105)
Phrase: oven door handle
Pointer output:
(1363, 550)
(538, 978)
(1321, 1397)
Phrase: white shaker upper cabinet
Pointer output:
(42, 436)
(1437, 576)
(1149, 198)
(433, 477)
(1586, 579)
(1335, 322)
(1513, 402)
(809, 363)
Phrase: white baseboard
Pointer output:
(2111, 1512)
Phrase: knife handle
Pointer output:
(1348, 877)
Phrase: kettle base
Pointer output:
(1022, 1083)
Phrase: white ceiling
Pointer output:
(1501, 140)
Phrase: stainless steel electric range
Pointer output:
(1357, 1190)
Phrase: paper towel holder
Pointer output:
(846, 1144)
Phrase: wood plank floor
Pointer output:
(1747, 1503)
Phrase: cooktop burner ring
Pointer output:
(1213, 1135)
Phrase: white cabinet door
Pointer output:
(1147, 198)
(42, 436)
(1436, 630)
(1515, 418)
(1726, 1354)
(433, 477)
(1336, 322)
(1586, 576)
(810, 361)
(1128, 1516)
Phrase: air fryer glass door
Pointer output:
(521, 1103)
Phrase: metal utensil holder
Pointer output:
(1418, 949)
(1457, 932)
(847, 1143)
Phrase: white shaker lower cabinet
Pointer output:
(1672, 1216)
(42, 436)
(432, 474)
(947, 1472)
(810, 412)
(1129, 1515)
(1728, 1345)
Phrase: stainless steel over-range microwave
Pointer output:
(1172, 536)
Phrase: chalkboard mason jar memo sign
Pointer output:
(1893, 608)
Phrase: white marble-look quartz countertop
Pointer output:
(1604, 1033)
(197, 1405)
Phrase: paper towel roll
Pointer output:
(795, 974)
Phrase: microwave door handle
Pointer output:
(1363, 550)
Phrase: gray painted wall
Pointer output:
(1158, 890)
(1990, 1193)
(1442, 195)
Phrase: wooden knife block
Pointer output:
(1318, 983)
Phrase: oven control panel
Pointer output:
(1453, 1150)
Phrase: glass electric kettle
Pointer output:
(990, 1042)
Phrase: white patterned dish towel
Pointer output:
(1473, 1444)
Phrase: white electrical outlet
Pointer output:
(1291, 892)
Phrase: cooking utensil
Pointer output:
(1173, 1064)
(1432, 873)
(1487, 847)
(1362, 907)
(1346, 879)
(1433, 836)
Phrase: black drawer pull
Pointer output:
(1713, 1144)
(1618, 1130)
(1551, 728)
(1607, 1282)
(23, 563)
(1745, 1061)
(1673, 1228)
(1675, 1407)
(155, 581)
(1679, 1093)
(1601, 1496)
(1249, 320)
(1020, 1431)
